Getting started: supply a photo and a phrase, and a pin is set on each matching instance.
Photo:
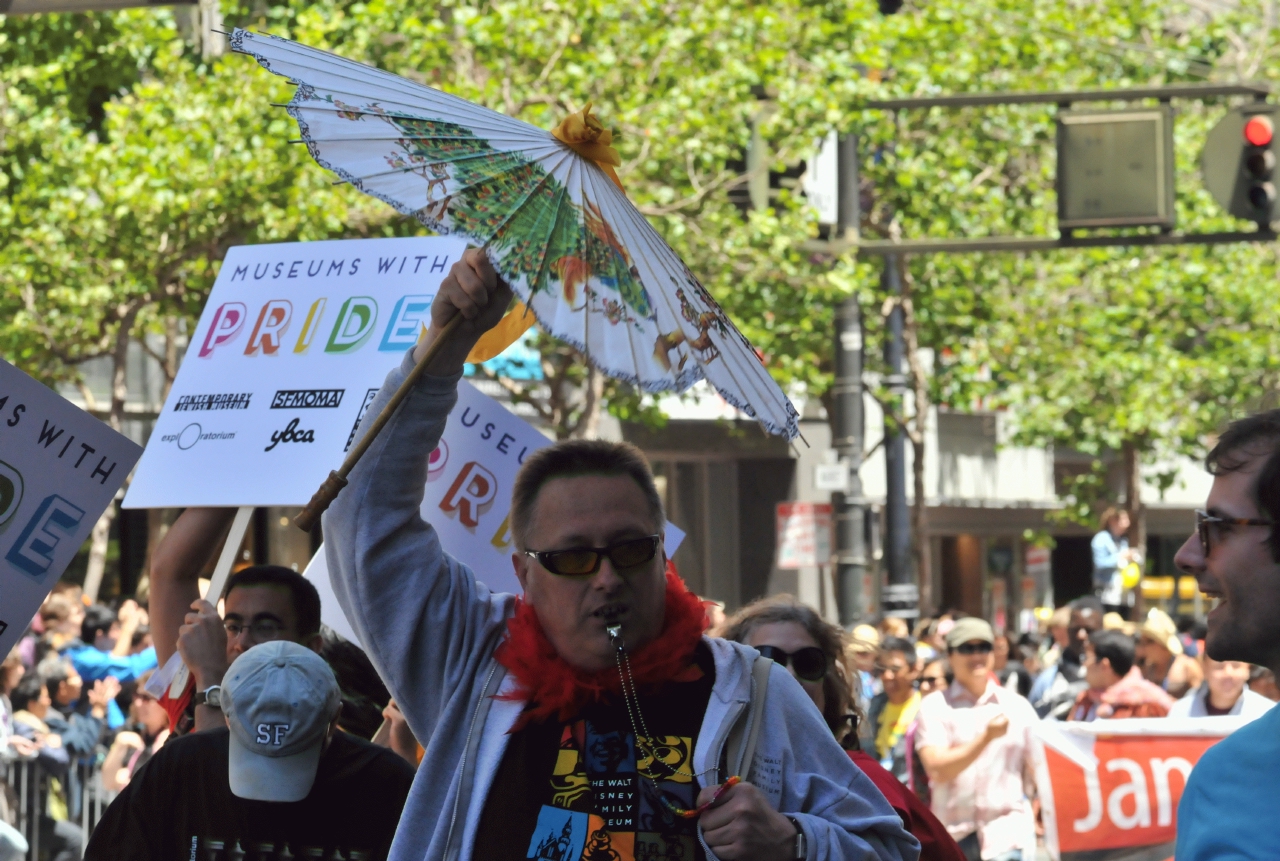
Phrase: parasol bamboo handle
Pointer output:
(337, 479)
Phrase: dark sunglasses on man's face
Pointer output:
(974, 648)
(1207, 524)
(810, 663)
(585, 561)
(932, 681)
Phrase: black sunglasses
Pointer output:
(931, 681)
(1205, 521)
(974, 648)
(810, 663)
(585, 561)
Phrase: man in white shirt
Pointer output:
(974, 740)
(1225, 692)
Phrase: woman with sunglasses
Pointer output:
(134, 746)
(813, 652)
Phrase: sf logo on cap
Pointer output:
(272, 733)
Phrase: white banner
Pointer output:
(468, 496)
(1114, 785)
(59, 469)
(294, 342)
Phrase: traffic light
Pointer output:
(1239, 163)
(1259, 163)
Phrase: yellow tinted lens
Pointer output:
(572, 563)
(632, 553)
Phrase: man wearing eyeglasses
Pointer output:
(263, 603)
(590, 718)
(1228, 807)
(974, 740)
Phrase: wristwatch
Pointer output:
(802, 845)
(210, 696)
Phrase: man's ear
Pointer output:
(315, 642)
(520, 563)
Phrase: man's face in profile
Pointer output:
(1239, 570)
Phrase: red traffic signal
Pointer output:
(1258, 130)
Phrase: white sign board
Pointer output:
(294, 342)
(831, 476)
(804, 535)
(821, 180)
(468, 496)
(59, 469)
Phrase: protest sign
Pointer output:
(468, 495)
(294, 342)
(1115, 784)
(59, 469)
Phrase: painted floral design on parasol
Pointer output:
(554, 221)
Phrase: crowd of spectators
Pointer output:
(937, 716)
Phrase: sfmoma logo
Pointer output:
(10, 492)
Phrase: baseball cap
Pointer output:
(279, 699)
(967, 629)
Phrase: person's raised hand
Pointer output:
(997, 726)
(129, 615)
(202, 642)
(742, 826)
(102, 692)
(473, 290)
(125, 738)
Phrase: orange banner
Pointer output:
(1117, 784)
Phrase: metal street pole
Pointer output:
(901, 597)
(850, 510)
(847, 423)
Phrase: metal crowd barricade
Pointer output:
(29, 785)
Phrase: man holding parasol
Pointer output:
(588, 718)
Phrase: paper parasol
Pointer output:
(554, 223)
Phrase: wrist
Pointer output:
(207, 677)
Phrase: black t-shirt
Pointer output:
(180, 806)
(578, 790)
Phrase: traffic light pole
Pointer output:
(901, 596)
(847, 422)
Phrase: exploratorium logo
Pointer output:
(193, 433)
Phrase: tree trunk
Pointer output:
(1137, 511)
(918, 436)
(99, 537)
(593, 393)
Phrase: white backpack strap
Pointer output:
(741, 747)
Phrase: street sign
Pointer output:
(832, 477)
(1115, 168)
(804, 535)
(1239, 160)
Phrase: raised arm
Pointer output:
(425, 622)
(945, 764)
(175, 571)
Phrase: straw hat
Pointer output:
(863, 639)
(1159, 628)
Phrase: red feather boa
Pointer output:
(553, 687)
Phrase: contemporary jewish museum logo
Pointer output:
(10, 492)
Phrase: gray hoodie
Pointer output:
(431, 629)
